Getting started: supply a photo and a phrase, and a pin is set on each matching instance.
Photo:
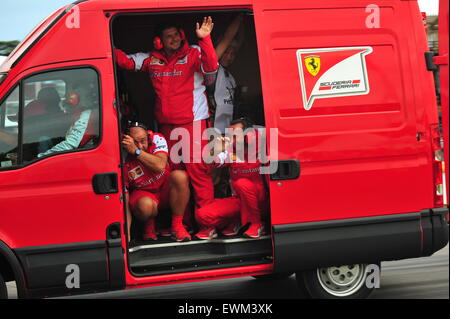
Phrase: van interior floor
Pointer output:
(166, 257)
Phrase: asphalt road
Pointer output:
(419, 278)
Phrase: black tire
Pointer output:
(302, 292)
(278, 276)
(330, 283)
(3, 289)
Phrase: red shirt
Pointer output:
(239, 169)
(245, 170)
(141, 177)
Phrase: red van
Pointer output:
(346, 84)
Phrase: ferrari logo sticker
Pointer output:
(332, 72)
(312, 64)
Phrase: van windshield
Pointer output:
(29, 40)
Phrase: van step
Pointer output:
(172, 257)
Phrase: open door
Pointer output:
(148, 258)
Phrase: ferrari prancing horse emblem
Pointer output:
(312, 63)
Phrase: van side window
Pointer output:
(49, 113)
(60, 112)
(9, 129)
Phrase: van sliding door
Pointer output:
(342, 96)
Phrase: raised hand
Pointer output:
(205, 29)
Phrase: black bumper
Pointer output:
(359, 240)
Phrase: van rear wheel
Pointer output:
(343, 282)
(3, 290)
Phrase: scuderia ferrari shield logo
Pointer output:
(332, 72)
(312, 64)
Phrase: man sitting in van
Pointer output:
(81, 106)
(152, 184)
(249, 202)
(178, 72)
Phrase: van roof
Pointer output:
(123, 6)
(143, 4)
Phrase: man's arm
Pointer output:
(132, 62)
(156, 162)
(229, 35)
(74, 135)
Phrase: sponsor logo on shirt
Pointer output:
(156, 61)
(160, 148)
(231, 96)
(152, 180)
(159, 144)
(246, 171)
(135, 173)
(162, 74)
(183, 60)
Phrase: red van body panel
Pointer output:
(359, 155)
(442, 61)
(365, 155)
(73, 212)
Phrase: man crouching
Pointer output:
(151, 183)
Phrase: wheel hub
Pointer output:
(343, 280)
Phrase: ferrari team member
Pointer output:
(249, 200)
(152, 184)
(177, 72)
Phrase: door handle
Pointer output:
(105, 183)
(286, 169)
